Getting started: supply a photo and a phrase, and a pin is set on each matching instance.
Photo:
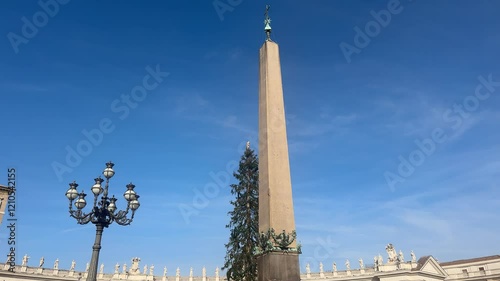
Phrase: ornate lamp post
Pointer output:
(103, 212)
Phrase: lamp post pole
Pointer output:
(94, 261)
(103, 212)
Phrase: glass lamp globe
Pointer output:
(97, 188)
(80, 202)
(112, 205)
(134, 204)
(72, 193)
(130, 194)
(108, 171)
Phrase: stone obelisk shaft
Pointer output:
(275, 189)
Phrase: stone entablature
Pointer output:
(395, 262)
(426, 268)
(134, 273)
(476, 268)
(360, 273)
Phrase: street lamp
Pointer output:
(103, 212)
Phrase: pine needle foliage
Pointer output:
(240, 262)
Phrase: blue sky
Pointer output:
(351, 120)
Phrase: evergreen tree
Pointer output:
(244, 224)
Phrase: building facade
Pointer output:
(392, 268)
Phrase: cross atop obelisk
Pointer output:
(267, 23)
(278, 258)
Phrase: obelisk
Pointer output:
(276, 216)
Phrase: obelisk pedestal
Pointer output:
(278, 266)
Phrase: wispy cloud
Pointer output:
(196, 108)
(224, 54)
(77, 229)
(320, 125)
(189, 105)
(440, 208)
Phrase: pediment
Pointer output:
(432, 266)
